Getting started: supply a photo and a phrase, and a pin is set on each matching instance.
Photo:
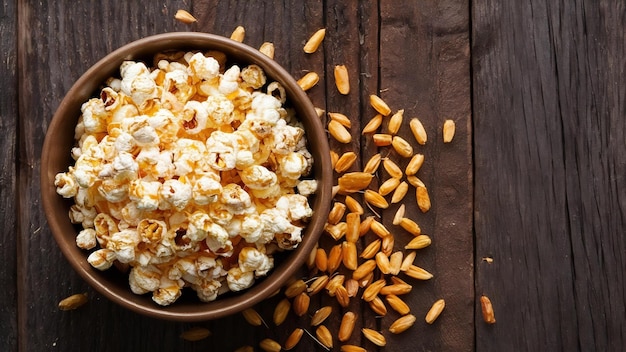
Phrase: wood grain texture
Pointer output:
(58, 41)
(424, 63)
(549, 144)
(8, 173)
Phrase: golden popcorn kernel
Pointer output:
(395, 122)
(308, 81)
(314, 41)
(341, 118)
(267, 48)
(238, 34)
(184, 17)
(339, 132)
(342, 80)
(418, 131)
(373, 124)
(379, 105)
(448, 131)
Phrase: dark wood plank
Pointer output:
(57, 42)
(288, 26)
(351, 40)
(438, 82)
(549, 144)
(424, 62)
(81, 26)
(8, 177)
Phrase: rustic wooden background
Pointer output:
(534, 178)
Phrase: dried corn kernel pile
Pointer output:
(191, 174)
(365, 260)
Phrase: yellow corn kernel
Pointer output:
(341, 118)
(314, 41)
(418, 131)
(392, 168)
(345, 161)
(372, 165)
(342, 80)
(373, 124)
(339, 132)
(308, 81)
(238, 34)
(414, 165)
(399, 192)
(267, 48)
(382, 139)
(379, 105)
(402, 147)
(395, 122)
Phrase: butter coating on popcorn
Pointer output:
(192, 173)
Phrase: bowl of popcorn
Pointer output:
(186, 176)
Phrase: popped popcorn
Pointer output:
(251, 259)
(86, 239)
(192, 173)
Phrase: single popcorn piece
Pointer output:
(239, 280)
(204, 68)
(143, 133)
(145, 194)
(251, 228)
(175, 193)
(124, 142)
(206, 189)
(131, 215)
(94, 116)
(124, 244)
(277, 226)
(102, 259)
(253, 76)
(199, 226)
(228, 82)
(151, 231)
(307, 187)
(207, 290)
(190, 174)
(292, 165)
(82, 215)
(286, 137)
(236, 199)
(104, 227)
(218, 239)
(168, 292)
(209, 268)
(137, 83)
(251, 259)
(166, 125)
(185, 269)
(219, 109)
(144, 279)
(258, 177)
(296, 206)
(177, 82)
(188, 155)
(66, 185)
(195, 116)
(156, 163)
(125, 167)
(113, 191)
(86, 239)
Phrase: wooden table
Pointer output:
(528, 201)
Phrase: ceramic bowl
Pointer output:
(113, 283)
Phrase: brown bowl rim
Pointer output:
(88, 84)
